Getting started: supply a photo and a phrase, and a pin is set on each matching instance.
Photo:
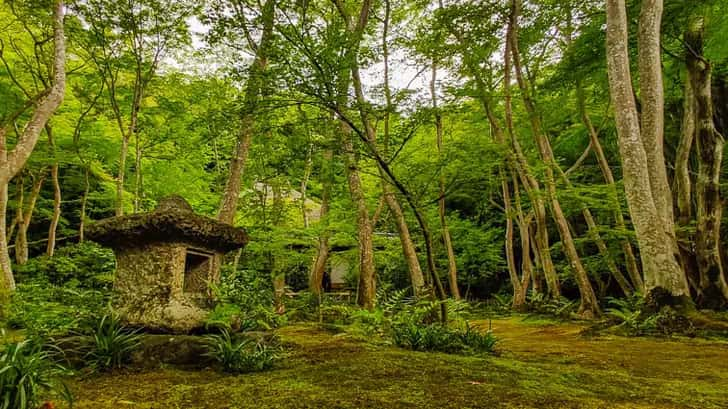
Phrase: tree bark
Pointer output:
(653, 100)
(367, 285)
(683, 190)
(530, 184)
(709, 146)
(256, 83)
(596, 146)
(589, 306)
(452, 269)
(84, 201)
(55, 218)
(408, 247)
(21, 238)
(12, 161)
(322, 255)
(661, 269)
(520, 286)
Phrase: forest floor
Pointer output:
(540, 364)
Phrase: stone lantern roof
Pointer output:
(173, 220)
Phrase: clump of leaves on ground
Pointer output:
(412, 323)
(236, 354)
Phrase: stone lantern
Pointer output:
(166, 261)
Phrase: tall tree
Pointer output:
(709, 146)
(40, 108)
(256, 82)
(126, 43)
(665, 281)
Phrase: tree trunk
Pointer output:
(709, 204)
(138, 175)
(121, 175)
(12, 161)
(408, 247)
(589, 306)
(367, 285)
(452, 269)
(520, 287)
(84, 201)
(304, 185)
(665, 281)
(21, 238)
(652, 119)
(256, 83)
(8, 283)
(530, 184)
(55, 218)
(683, 190)
(322, 255)
(596, 146)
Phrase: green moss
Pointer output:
(546, 366)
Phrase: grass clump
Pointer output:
(110, 345)
(240, 355)
(27, 371)
(437, 337)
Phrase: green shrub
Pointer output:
(46, 310)
(244, 298)
(563, 308)
(239, 355)
(26, 372)
(477, 341)
(110, 345)
(86, 264)
(437, 337)
(434, 337)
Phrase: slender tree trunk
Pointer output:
(138, 175)
(367, 285)
(596, 146)
(119, 205)
(452, 269)
(256, 83)
(530, 184)
(55, 218)
(683, 190)
(660, 266)
(84, 201)
(408, 247)
(12, 161)
(304, 185)
(21, 238)
(5, 263)
(653, 100)
(520, 286)
(589, 306)
(709, 204)
(322, 255)
(20, 205)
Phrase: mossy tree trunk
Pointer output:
(661, 269)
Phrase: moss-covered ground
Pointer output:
(540, 365)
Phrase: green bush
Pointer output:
(244, 299)
(477, 341)
(46, 310)
(85, 265)
(563, 308)
(239, 355)
(26, 372)
(434, 337)
(110, 345)
(437, 337)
